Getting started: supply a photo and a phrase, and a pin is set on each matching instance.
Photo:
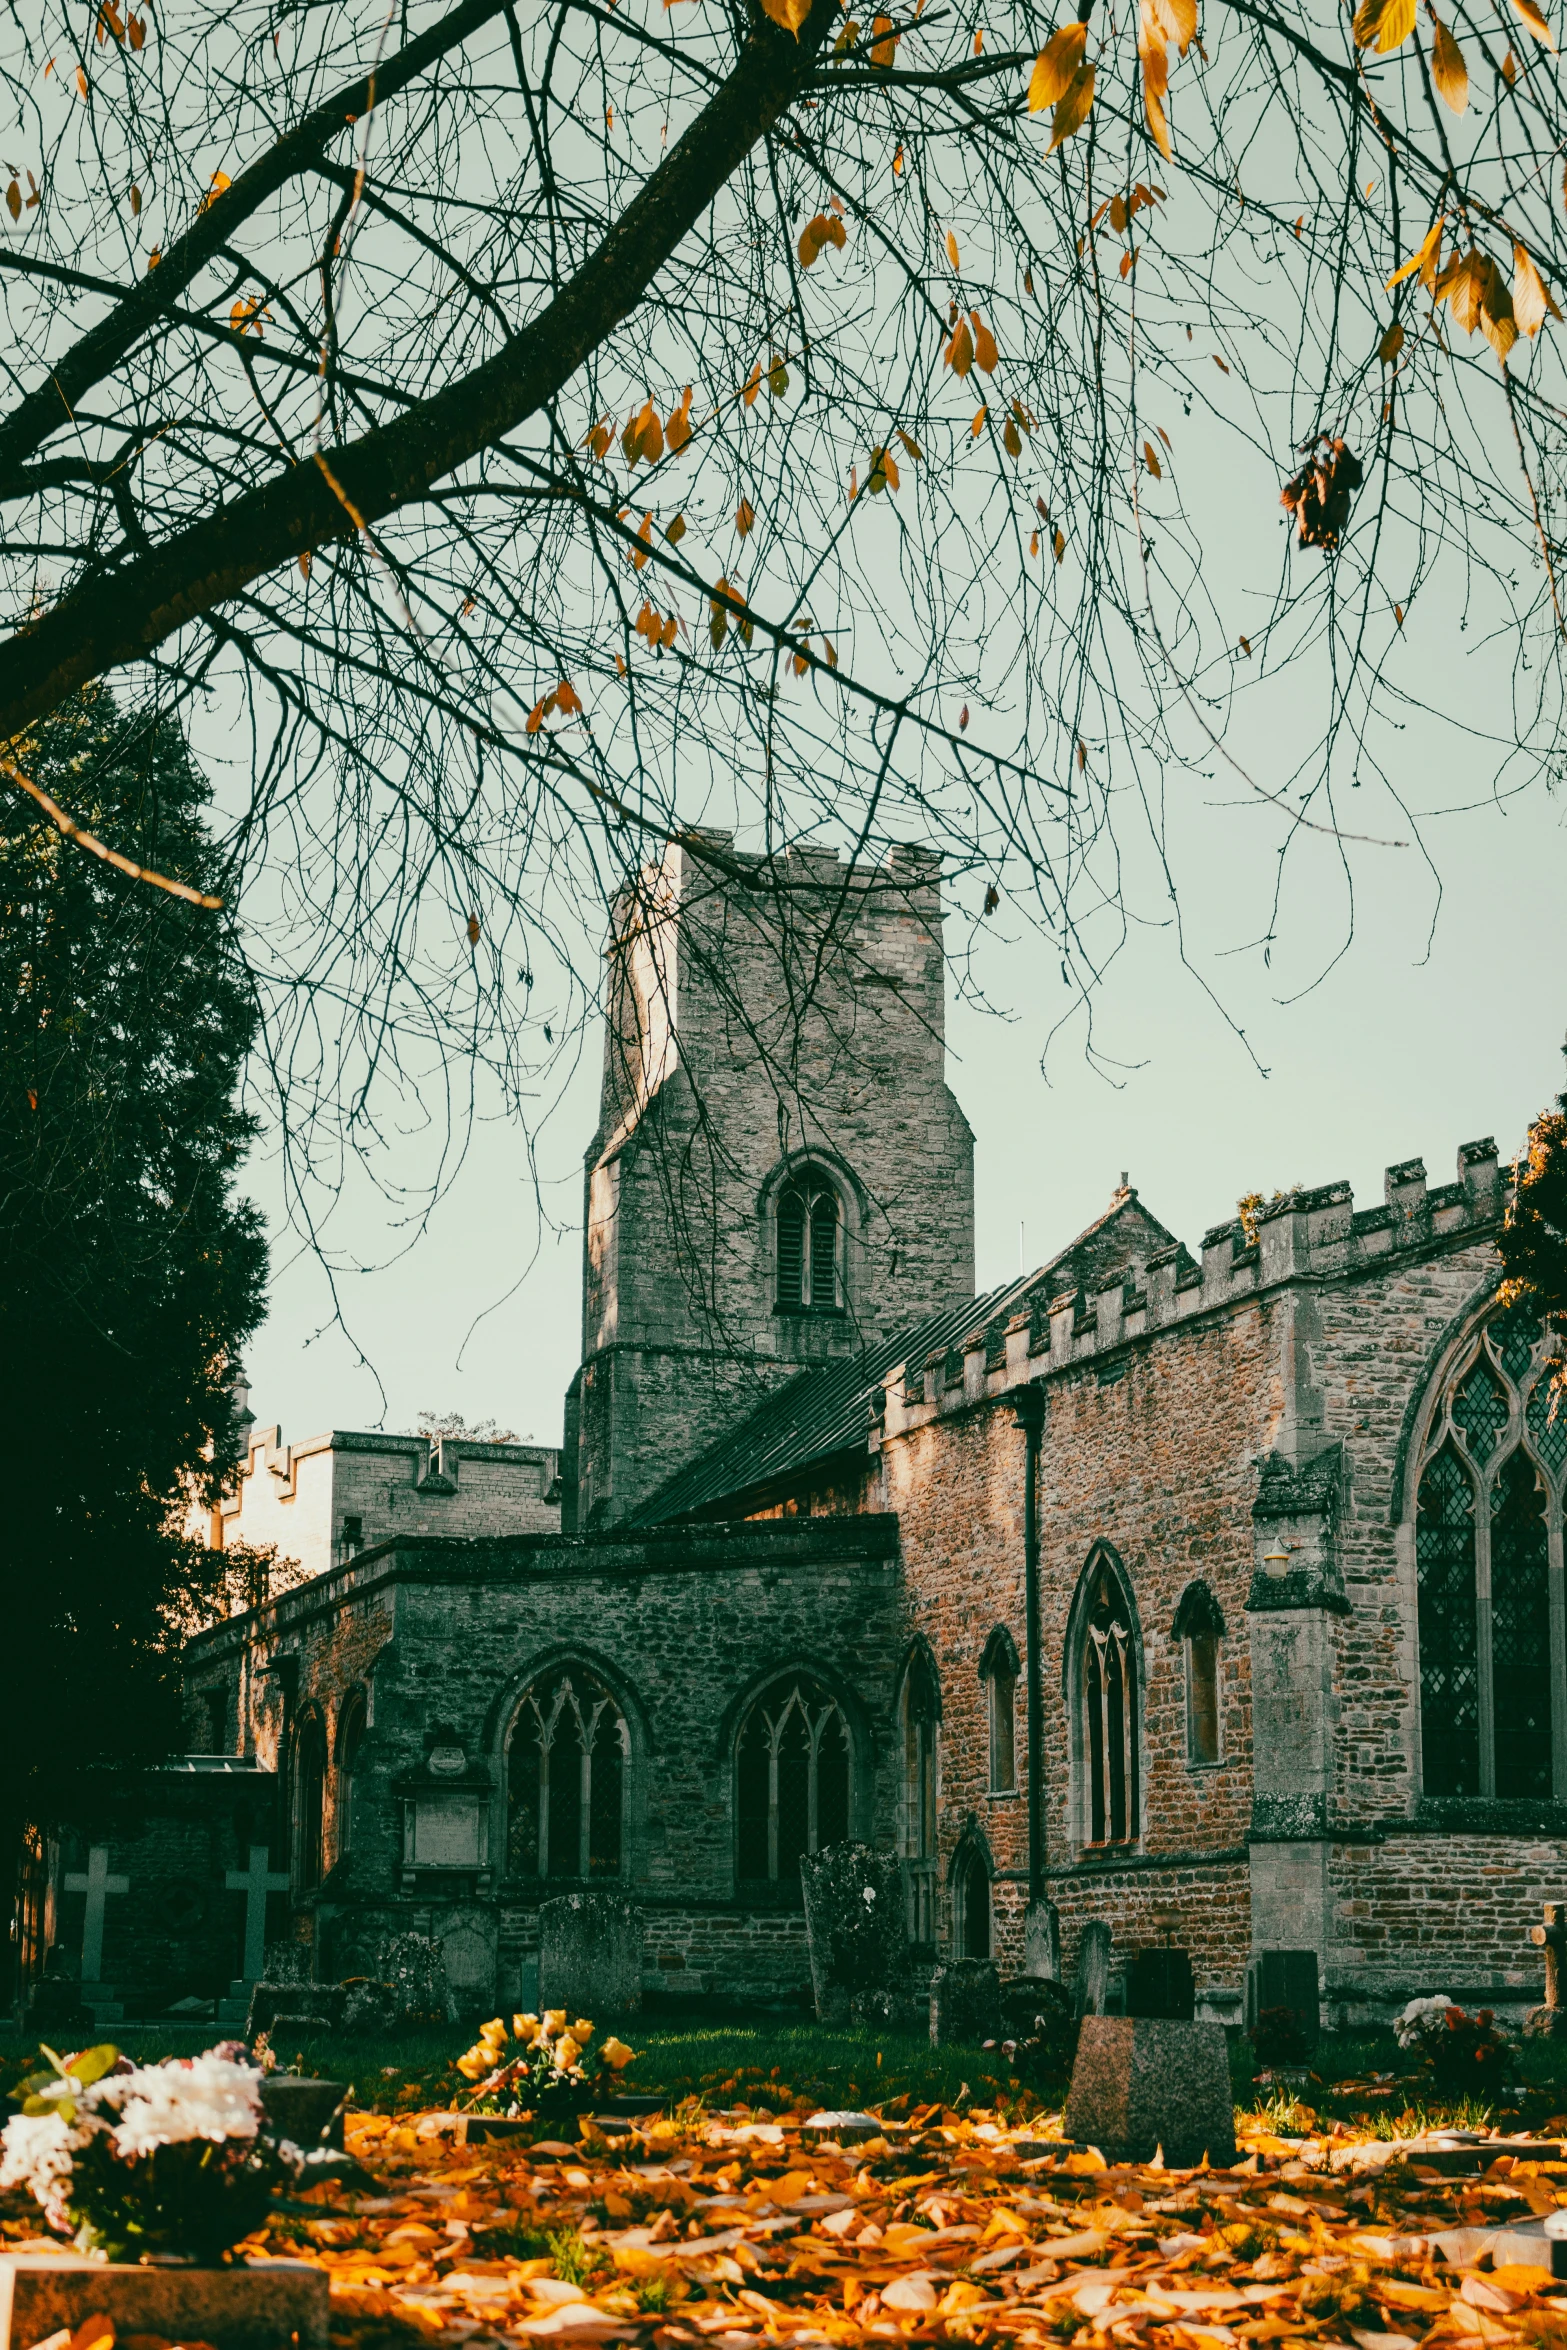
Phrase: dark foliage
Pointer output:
(130, 1273)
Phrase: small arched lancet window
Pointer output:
(309, 1803)
(971, 1903)
(921, 1727)
(998, 1671)
(793, 1772)
(350, 1738)
(1488, 1537)
(566, 1779)
(1108, 1717)
(809, 1225)
(1199, 1626)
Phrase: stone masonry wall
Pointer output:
(762, 1018)
(448, 1636)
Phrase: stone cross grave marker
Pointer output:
(1550, 2021)
(256, 1882)
(97, 1884)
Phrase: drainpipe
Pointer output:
(1029, 1404)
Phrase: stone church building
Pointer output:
(1297, 1663)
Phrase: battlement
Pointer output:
(1052, 1320)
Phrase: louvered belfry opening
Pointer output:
(808, 1223)
(1488, 1539)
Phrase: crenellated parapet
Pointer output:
(1067, 1315)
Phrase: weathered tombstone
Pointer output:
(293, 2006)
(1093, 1969)
(308, 2113)
(854, 1925)
(240, 2308)
(965, 2003)
(1140, 2083)
(1550, 2021)
(1285, 1979)
(1160, 1983)
(590, 1955)
(1042, 1939)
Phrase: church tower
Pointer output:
(781, 1174)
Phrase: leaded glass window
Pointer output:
(566, 1778)
(1488, 1558)
(1108, 1740)
(792, 1780)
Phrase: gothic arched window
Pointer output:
(350, 1737)
(566, 1779)
(998, 1671)
(1488, 1539)
(792, 1779)
(809, 1257)
(921, 1724)
(971, 1903)
(1199, 1626)
(309, 1803)
(1107, 1729)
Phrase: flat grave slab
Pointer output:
(254, 2307)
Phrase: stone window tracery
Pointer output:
(793, 1772)
(808, 1223)
(566, 1779)
(1108, 1724)
(1488, 1566)
(350, 1738)
(921, 1710)
(998, 1671)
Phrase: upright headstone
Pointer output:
(1550, 2021)
(255, 1881)
(97, 1883)
(965, 2003)
(1092, 1980)
(590, 1955)
(855, 1926)
(1042, 1940)
(1160, 1983)
(1139, 2084)
(1285, 1979)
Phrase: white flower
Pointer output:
(1412, 2024)
(197, 2097)
(36, 2151)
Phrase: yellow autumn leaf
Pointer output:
(959, 353)
(1383, 24)
(1448, 69)
(1532, 303)
(985, 352)
(1060, 545)
(978, 425)
(1011, 438)
(884, 45)
(745, 516)
(677, 427)
(1074, 108)
(952, 250)
(676, 531)
(791, 14)
(1424, 261)
(1535, 21)
(1055, 67)
(1151, 459)
(1391, 344)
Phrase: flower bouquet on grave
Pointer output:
(168, 2160)
(1464, 2051)
(543, 2066)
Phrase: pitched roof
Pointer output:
(827, 1409)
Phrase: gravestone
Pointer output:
(1160, 1983)
(45, 2296)
(965, 2003)
(1140, 2083)
(590, 1955)
(1042, 1939)
(855, 1927)
(309, 2113)
(1285, 1979)
(294, 2006)
(1092, 1981)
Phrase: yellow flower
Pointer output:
(616, 2053)
(493, 2033)
(475, 2064)
(526, 2028)
(566, 2053)
(582, 2030)
(554, 2021)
